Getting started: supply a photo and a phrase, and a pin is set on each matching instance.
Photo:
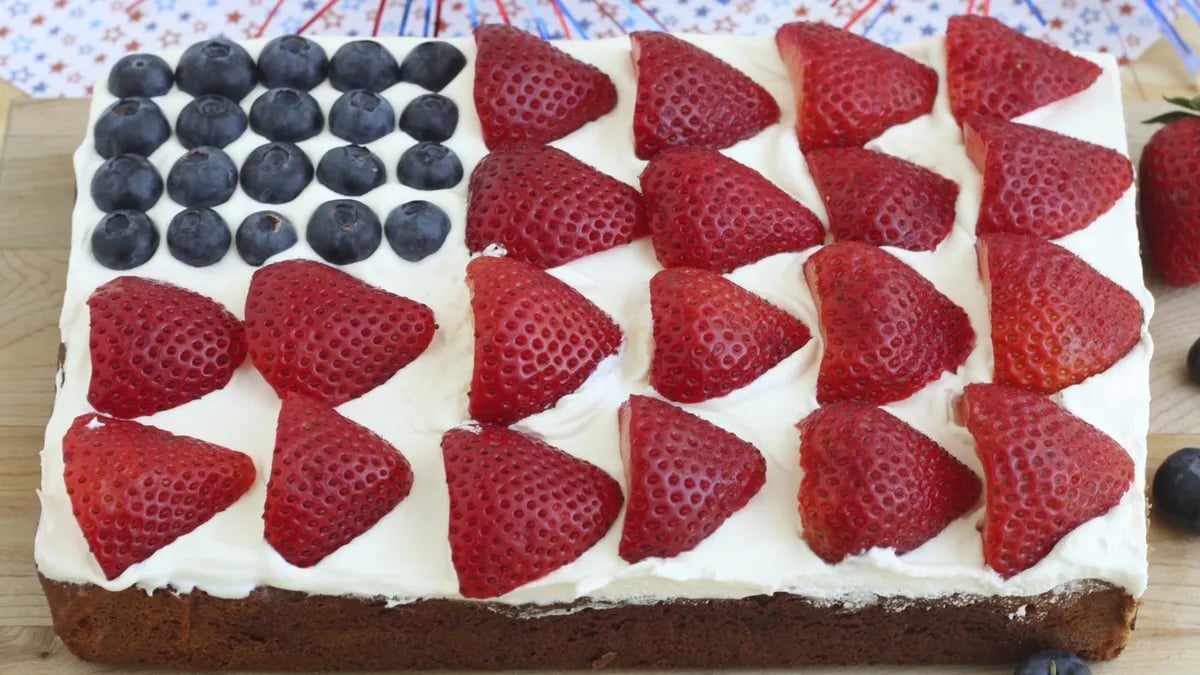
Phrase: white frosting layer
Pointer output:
(759, 550)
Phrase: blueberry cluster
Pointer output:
(220, 74)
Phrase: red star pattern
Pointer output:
(109, 28)
(332, 20)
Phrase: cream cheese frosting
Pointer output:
(406, 555)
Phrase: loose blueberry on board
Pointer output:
(1193, 362)
(1176, 490)
(276, 172)
(286, 115)
(363, 64)
(210, 120)
(123, 240)
(416, 229)
(126, 182)
(432, 65)
(429, 117)
(204, 176)
(198, 237)
(292, 61)
(133, 125)
(360, 116)
(1052, 662)
(216, 66)
(140, 75)
(351, 170)
(344, 231)
(263, 234)
(429, 166)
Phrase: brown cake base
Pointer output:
(274, 629)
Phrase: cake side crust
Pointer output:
(287, 630)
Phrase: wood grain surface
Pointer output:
(36, 187)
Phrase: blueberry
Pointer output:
(133, 125)
(216, 66)
(351, 170)
(204, 176)
(292, 61)
(344, 231)
(429, 117)
(416, 229)
(1176, 490)
(126, 182)
(1193, 362)
(360, 116)
(432, 65)
(429, 166)
(286, 115)
(140, 75)
(198, 237)
(124, 240)
(210, 120)
(262, 235)
(363, 64)
(1052, 662)
(276, 172)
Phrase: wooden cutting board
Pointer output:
(36, 193)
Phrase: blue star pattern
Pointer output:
(60, 51)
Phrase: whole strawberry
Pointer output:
(155, 346)
(1169, 174)
(331, 480)
(870, 480)
(528, 90)
(318, 331)
(547, 208)
(135, 488)
(520, 508)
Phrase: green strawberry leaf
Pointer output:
(1167, 118)
(1191, 108)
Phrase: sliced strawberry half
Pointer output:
(317, 331)
(331, 481)
(688, 97)
(686, 477)
(1039, 182)
(870, 480)
(529, 91)
(155, 346)
(849, 89)
(712, 336)
(520, 508)
(711, 212)
(1056, 321)
(883, 200)
(536, 339)
(994, 71)
(547, 208)
(135, 488)
(1047, 472)
(888, 331)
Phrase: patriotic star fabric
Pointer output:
(61, 47)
